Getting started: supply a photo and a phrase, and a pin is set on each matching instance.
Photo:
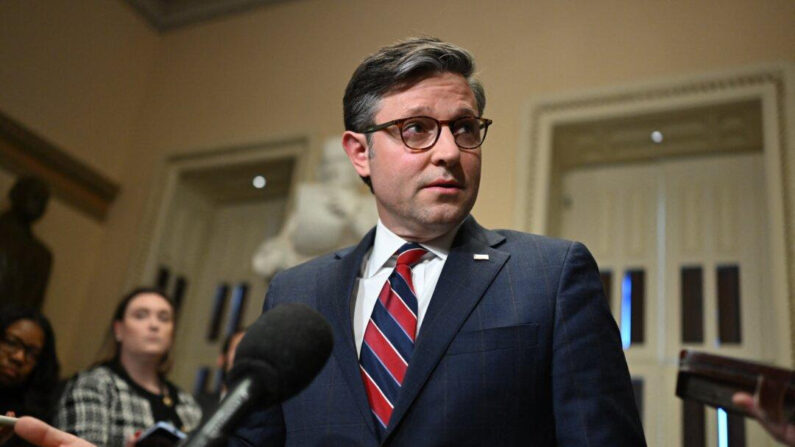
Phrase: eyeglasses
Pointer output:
(420, 133)
(12, 345)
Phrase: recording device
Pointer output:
(712, 380)
(278, 357)
(161, 434)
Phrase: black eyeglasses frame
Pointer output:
(14, 345)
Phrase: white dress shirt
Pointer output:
(379, 263)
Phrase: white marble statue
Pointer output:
(329, 214)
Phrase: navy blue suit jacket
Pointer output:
(519, 349)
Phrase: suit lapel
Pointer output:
(462, 283)
(336, 303)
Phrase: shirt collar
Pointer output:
(387, 243)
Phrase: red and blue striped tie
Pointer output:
(389, 337)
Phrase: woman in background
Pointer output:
(127, 393)
(28, 365)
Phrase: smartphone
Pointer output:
(7, 421)
(161, 434)
(713, 379)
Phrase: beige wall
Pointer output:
(110, 91)
(76, 74)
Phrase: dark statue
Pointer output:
(24, 260)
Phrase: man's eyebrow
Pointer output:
(423, 110)
(418, 110)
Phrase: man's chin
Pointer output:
(443, 221)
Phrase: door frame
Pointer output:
(766, 83)
(158, 208)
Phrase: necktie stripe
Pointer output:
(400, 311)
(390, 327)
(404, 293)
(411, 256)
(389, 337)
(388, 385)
(380, 406)
(403, 274)
(387, 353)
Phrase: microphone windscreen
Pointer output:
(292, 340)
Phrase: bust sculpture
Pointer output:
(25, 261)
(329, 214)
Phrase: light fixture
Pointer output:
(259, 181)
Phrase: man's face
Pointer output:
(421, 195)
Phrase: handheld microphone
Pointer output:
(279, 355)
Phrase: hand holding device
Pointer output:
(8, 421)
(161, 434)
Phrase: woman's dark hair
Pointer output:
(42, 382)
(118, 315)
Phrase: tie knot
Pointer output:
(410, 253)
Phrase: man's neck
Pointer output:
(440, 243)
(425, 237)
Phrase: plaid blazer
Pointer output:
(101, 407)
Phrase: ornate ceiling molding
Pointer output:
(167, 15)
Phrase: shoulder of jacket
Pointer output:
(513, 236)
(99, 377)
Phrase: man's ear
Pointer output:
(355, 145)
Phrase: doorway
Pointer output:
(654, 178)
(217, 208)
(680, 245)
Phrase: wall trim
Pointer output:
(772, 84)
(23, 152)
(169, 171)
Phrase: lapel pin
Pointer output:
(480, 257)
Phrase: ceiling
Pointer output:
(167, 15)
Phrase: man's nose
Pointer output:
(445, 151)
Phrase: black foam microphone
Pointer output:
(279, 355)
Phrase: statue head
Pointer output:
(29, 197)
(335, 169)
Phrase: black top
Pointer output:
(13, 399)
(162, 405)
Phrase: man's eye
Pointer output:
(415, 127)
(467, 126)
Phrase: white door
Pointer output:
(681, 249)
(207, 252)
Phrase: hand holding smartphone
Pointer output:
(7, 421)
(7, 427)
(161, 434)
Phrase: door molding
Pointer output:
(769, 84)
(174, 167)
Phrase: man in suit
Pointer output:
(505, 338)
